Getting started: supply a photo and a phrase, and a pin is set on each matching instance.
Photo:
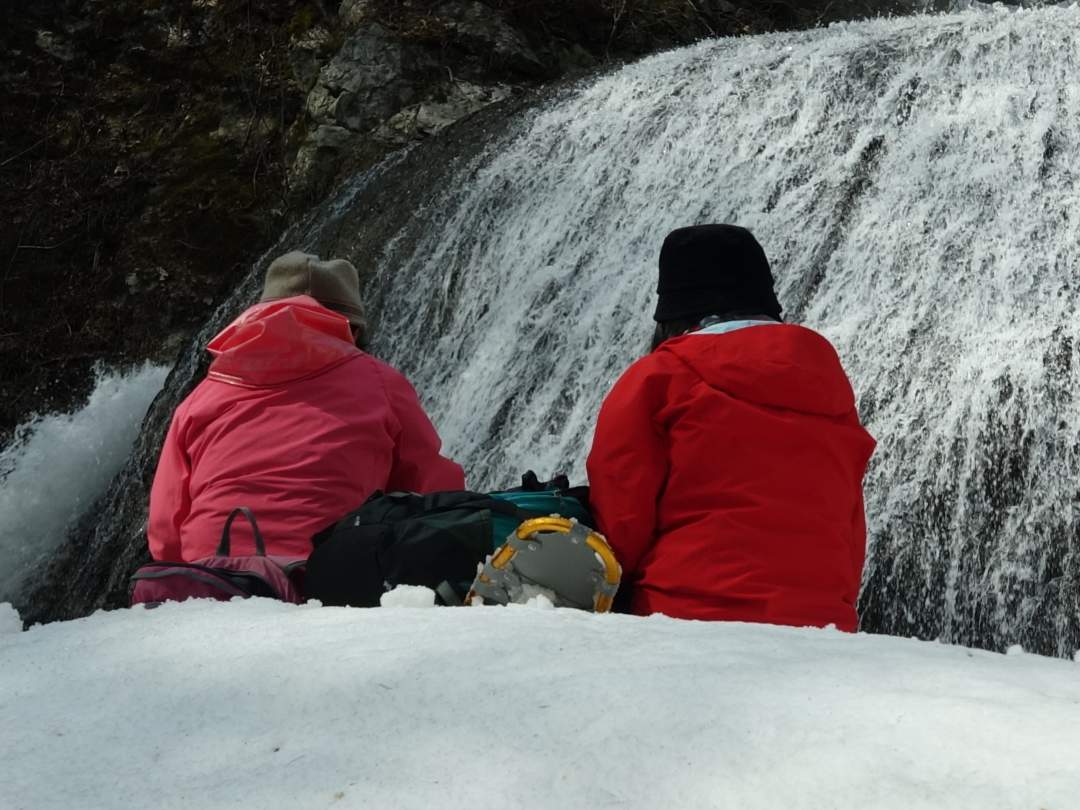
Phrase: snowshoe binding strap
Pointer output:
(448, 596)
(557, 557)
(224, 549)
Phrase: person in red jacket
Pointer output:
(727, 465)
(293, 420)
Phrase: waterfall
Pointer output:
(913, 183)
(60, 464)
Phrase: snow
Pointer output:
(537, 596)
(414, 596)
(540, 601)
(261, 704)
(9, 619)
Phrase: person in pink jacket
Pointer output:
(294, 421)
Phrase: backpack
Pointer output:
(436, 540)
(222, 576)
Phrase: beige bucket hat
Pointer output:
(334, 283)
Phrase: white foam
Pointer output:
(60, 464)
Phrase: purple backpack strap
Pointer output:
(222, 576)
(223, 549)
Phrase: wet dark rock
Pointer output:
(448, 103)
(474, 27)
(354, 13)
(388, 89)
(55, 46)
(309, 52)
(371, 77)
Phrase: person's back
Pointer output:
(727, 468)
(294, 421)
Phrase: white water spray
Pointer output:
(60, 464)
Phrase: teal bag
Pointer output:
(539, 504)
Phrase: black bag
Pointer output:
(402, 538)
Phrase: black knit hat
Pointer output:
(714, 270)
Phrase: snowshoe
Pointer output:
(556, 557)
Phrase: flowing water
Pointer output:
(914, 184)
(60, 464)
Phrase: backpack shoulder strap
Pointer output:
(223, 549)
(391, 507)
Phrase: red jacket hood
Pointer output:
(775, 365)
(281, 341)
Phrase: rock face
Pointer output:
(370, 78)
(382, 90)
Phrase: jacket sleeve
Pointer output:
(418, 465)
(628, 464)
(170, 499)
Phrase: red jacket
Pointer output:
(295, 422)
(726, 472)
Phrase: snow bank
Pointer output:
(260, 704)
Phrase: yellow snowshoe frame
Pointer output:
(564, 542)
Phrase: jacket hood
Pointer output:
(775, 365)
(281, 341)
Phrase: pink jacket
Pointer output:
(295, 422)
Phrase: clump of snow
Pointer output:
(261, 704)
(10, 622)
(411, 596)
(1015, 649)
(537, 596)
(540, 601)
(61, 463)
